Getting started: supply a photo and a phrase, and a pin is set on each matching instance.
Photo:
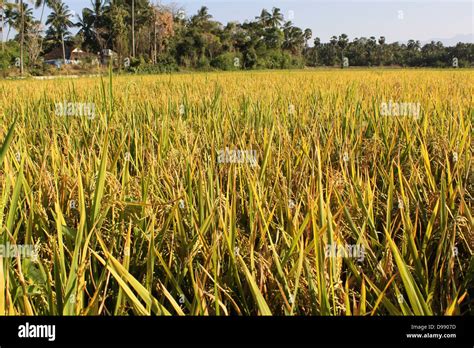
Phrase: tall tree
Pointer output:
(342, 42)
(119, 29)
(163, 29)
(276, 18)
(308, 33)
(294, 38)
(2, 21)
(133, 28)
(43, 4)
(60, 21)
(265, 18)
(381, 57)
(22, 34)
(94, 26)
(20, 11)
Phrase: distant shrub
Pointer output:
(276, 59)
(250, 59)
(203, 63)
(227, 61)
(7, 57)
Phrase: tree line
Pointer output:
(156, 37)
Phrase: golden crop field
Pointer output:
(286, 193)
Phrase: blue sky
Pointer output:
(396, 20)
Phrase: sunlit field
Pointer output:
(245, 193)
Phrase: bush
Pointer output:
(271, 59)
(203, 63)
(227, 61)
(250, 59)
(276, 59)
(36, 71)
(49, 69)
(135, 63)
(165, 64)
(7, 57)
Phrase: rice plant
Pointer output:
(246, 193)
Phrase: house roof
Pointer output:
(71, 53)
(57, 53)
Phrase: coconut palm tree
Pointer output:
(264, 18)
(133, 28)
(22, 33)
(381, 42)
(92, 24)
(2, 21)
(294, 38)
(201, 17)
(18, 21)
(342, 43)
(60, 21)
(85, 22)
(22, 16)
(308, 33)
(276, 17)
(43, 4)
(9, 17)
(22, 13)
